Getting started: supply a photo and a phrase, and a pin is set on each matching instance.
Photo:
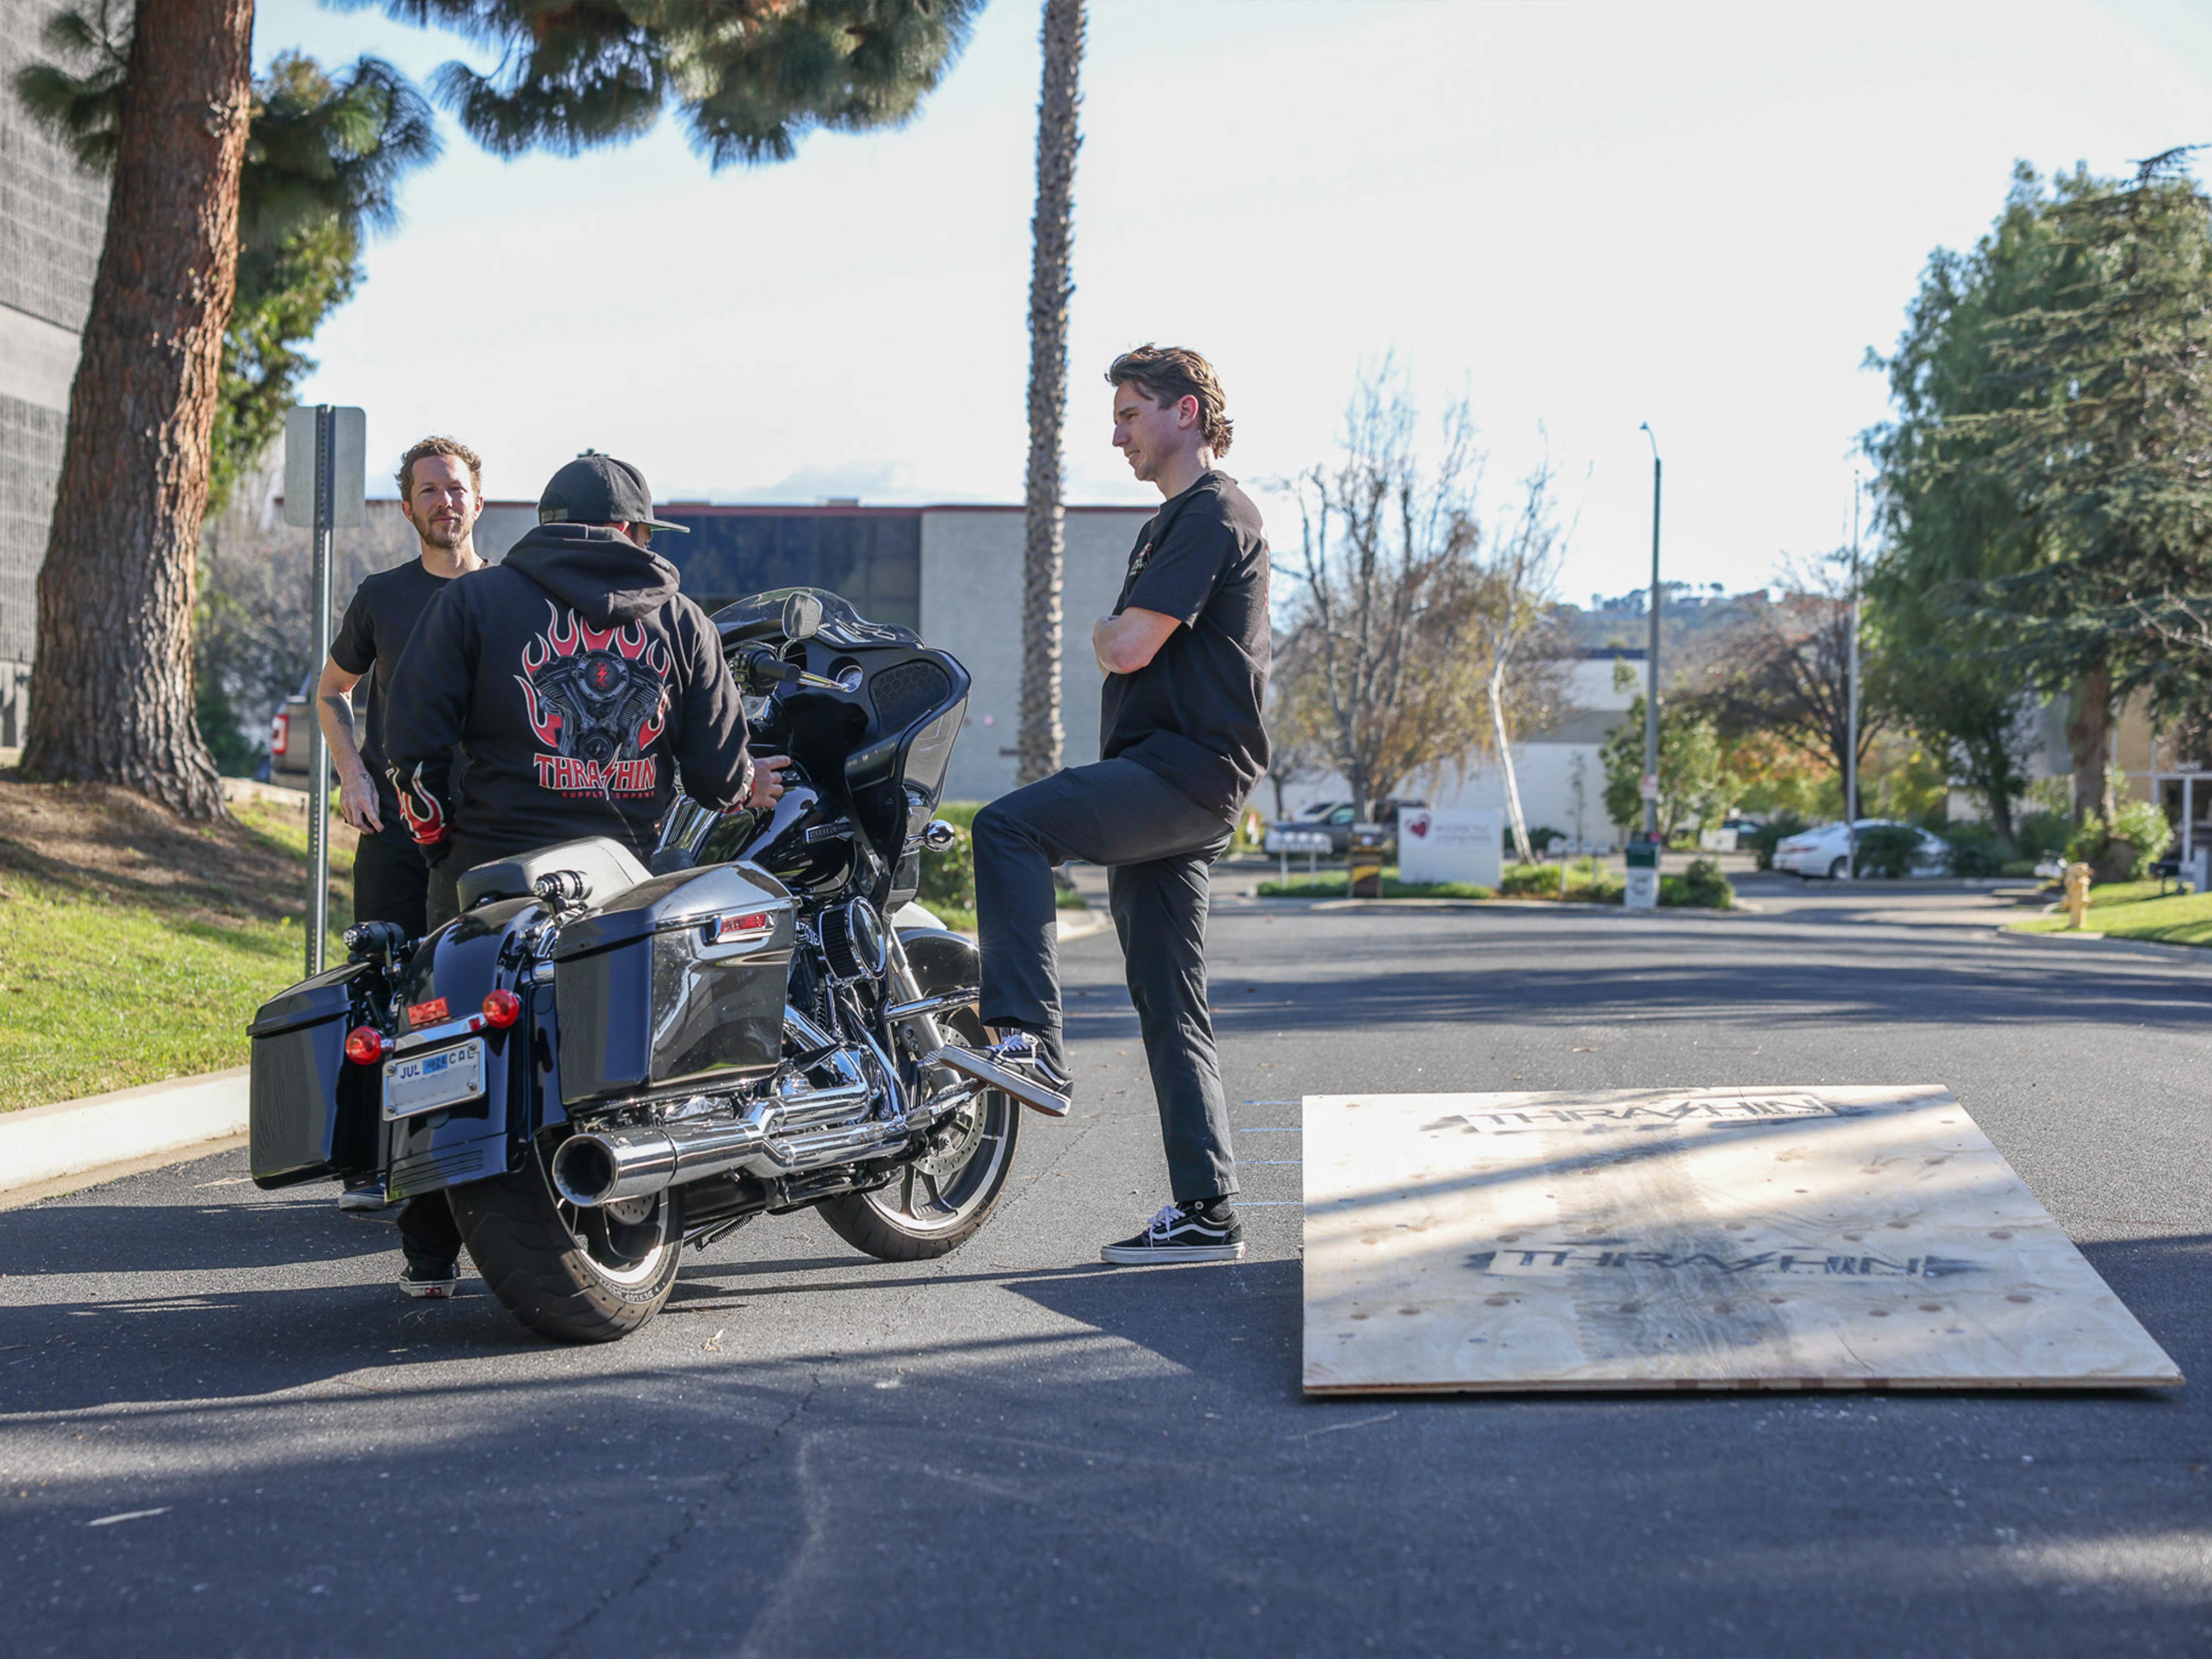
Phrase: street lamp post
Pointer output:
(1851, 700)
(1652, 664)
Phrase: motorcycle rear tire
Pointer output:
(520, 1238)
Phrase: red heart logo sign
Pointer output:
(1419, 826)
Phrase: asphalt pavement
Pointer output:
(223, 1431)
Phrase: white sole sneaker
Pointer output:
(1136, 1255)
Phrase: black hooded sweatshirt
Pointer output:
(576, 680)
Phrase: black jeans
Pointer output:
(1156, 845)
(427, 1233)
(390, 881)
(443, 901)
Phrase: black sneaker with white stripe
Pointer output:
(1202, 1229)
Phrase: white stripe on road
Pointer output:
(129, 1515)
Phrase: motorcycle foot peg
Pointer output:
(369, 1203)
(1031, 1092)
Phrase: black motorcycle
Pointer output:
(601, 1061)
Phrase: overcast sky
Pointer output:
(1584, 215)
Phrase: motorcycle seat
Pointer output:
(607, 866)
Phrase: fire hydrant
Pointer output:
(2077, 894)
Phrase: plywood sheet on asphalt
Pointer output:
(1782, 1238)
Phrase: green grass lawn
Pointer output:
(1337, 884)
(2133, 909)
(107, 981)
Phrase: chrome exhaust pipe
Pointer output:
(797, 1126)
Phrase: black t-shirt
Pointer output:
(377, 624)
(1192, 714)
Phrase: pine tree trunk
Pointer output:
(111, 692)
(2089, 741)
(1051, 234)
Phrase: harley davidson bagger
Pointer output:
(601, 1061)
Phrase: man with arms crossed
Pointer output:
(1186, 656)
(441, 491)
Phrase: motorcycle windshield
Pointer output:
(763, 614)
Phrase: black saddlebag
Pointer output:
(680, 980)
(311, 1113)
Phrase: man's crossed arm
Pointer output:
(1127, 642)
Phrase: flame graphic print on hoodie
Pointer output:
(597, 699)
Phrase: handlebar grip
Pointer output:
(765, 667)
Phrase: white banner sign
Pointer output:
(1453, 845)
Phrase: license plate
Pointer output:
(424, 1083)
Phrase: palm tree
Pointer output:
(110, 695)
(1058, 139)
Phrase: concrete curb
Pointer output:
(2090, 937)
(1082, 924)
(41, 1145)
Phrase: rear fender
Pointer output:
(458, 966)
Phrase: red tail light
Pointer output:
(502, 1008)
(365, 1045)
(279, 734)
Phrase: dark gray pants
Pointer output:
(1156, 845)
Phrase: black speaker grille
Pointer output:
(903, 694)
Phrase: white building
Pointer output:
(1560, 769)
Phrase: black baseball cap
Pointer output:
(596, 488)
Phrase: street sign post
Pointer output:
(326, 487)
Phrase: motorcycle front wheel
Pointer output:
(935, 1204)
(573, 1275)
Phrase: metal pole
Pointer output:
(1851, 720)
(319, 753)
(1651, 666)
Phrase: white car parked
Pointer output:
(1824, 850)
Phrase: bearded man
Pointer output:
(440, 493)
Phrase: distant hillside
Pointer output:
(1694, 627)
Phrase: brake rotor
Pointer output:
(631, 1212)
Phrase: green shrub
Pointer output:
(2018, 867)
(1889, 850)
(1778, 829)
(948, 879)
(1973, 850)
(2039, 835)
(1599, 885)
(2085, 844)
(1530, 881)
(2142, 826)
(1701, 887)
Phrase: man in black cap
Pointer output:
(572, 675)
(576, 679)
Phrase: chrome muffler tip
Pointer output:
(606, 1166)
(586, 1171)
